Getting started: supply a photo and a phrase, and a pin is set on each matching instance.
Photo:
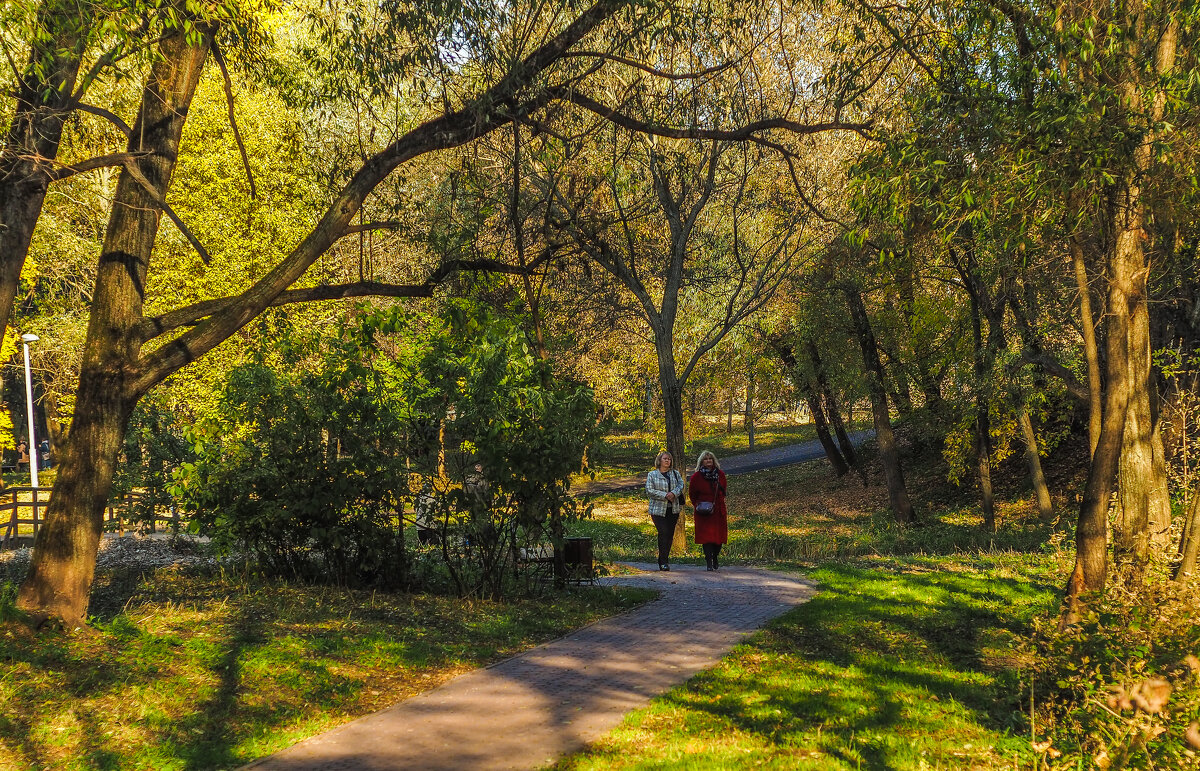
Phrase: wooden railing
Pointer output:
(22, 513)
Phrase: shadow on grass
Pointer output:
(882, 670)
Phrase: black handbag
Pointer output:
(704, 508)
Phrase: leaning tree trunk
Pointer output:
(64, 557)
(889, 456)
(1041, 492)
(43, 104)
(1190, 543)
(1091, 351)
(840, 467)
(834, 413)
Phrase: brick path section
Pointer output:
(527, 711)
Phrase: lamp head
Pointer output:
(30, 337)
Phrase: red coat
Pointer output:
(710, 528)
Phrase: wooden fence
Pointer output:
(22, 515)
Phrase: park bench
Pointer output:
(536, 562)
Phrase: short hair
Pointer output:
(658, 458)
(707, 454)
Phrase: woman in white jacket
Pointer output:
(664, 488)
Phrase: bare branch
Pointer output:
(368, 226)
(111, 117)
(237, 134)
(653, 70)
(741, 134)
(91, 164)
(161, 203)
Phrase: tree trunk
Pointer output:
(833, 412)
(1190, 543)
(1091, 351)
(749, 414)
(978, 295)
(831, 451)
(729, 417)
(672, 398)
(1126, 284)
(64, 555)
(1041, 492)
(888, 454)
(43, 99)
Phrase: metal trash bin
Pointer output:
(577, 560)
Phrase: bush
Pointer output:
(299, 465)
(1121, 689)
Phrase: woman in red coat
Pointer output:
(706, 489)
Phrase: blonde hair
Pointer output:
(707, 454)
(658, 459)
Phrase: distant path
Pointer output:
(527, 711)
(735, 464)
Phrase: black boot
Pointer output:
(716, 551)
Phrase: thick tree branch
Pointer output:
(368, 226)
(1076, 390)
(65, 171)
(108, 115)
(493, 108)
(157, 326)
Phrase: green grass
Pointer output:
(801, 515)
(898, 663)
(211, 672)
(908, 658)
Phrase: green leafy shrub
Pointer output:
(496, 404)
(299, 464)
(1121, 688)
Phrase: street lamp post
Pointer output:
(26, 339)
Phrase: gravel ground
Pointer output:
(131, 552)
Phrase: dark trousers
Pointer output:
(711, 550)
(666, 534)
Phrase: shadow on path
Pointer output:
(525, 712)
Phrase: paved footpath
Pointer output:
(527, 711)
(733, 465)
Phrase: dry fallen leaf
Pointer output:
(1118, 699)
(1192, 662)
(1193, 734)
(1102, 760)
(1151, 695)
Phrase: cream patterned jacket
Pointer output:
(657, 487)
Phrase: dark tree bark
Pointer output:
(833, 411)
(60, 576)
(889, 456)
(44, 98)
(749, 413)
(1041, 492)
(984, 354)
(840, 467)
